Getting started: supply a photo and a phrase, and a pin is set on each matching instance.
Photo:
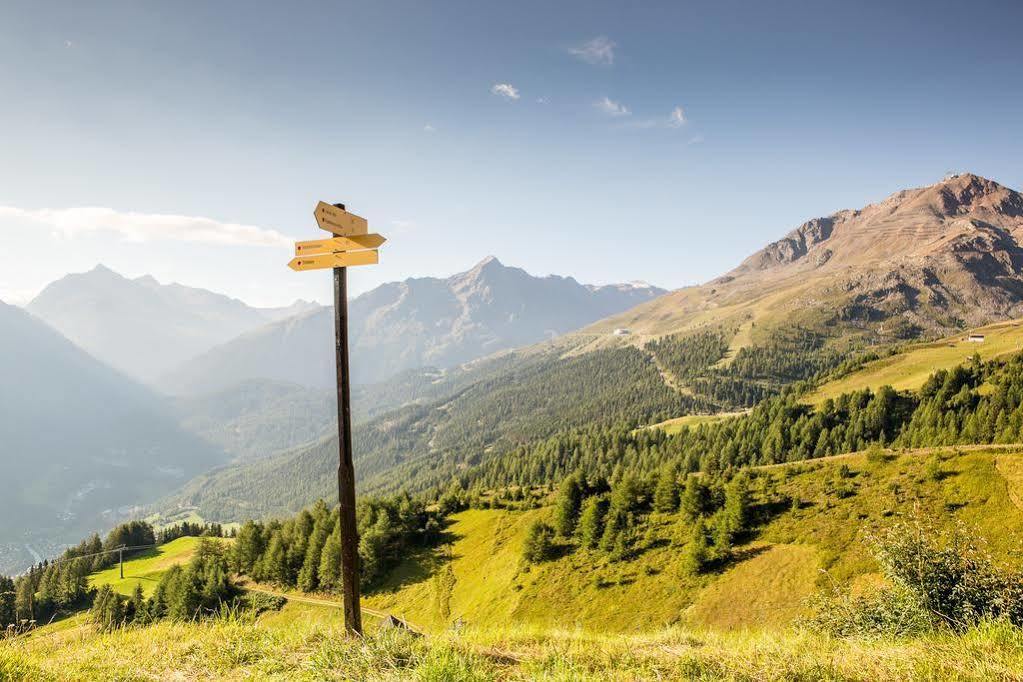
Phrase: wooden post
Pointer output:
(121, 553)
(346, 468)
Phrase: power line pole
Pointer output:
(351, 244)
(120, 551)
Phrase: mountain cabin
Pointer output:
(975, 338)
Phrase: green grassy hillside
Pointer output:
(146, 568)
(480, 579)
(909, 368)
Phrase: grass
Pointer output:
(582, 617)
(673, 426)
(147, 567)
(911, 367)
(479, 579)
(234, 649)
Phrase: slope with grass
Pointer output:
(811, 516)
(910, 366)
(146, 568)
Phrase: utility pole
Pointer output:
(350, 245)
(120, 551)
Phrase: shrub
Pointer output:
(932, 580)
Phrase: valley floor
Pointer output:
(307, 649)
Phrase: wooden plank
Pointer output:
(353, 243)
(339, 221)
(351, 258)
(334, 260)
(319, 262)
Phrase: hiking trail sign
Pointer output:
(351, 245)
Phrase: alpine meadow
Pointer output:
(271, 409)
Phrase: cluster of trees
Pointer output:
(714, 512)
(191, 529)
(688, 357)
(200, 588)
(756, 371)
(950, 409)
(61, 584)
(305, 550)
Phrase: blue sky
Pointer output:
(656, 141)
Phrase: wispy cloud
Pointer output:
(145, 227)
(600, 50)
(542, 100)
(429, 128)
(695, 139)
(611, 107)
(676, 119)
(506, 90)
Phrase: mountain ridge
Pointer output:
(142, 327)
(418, 322)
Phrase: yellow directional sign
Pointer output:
(353, 243)
(334, 260)
(339, 221)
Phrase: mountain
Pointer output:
(79, 442)
(924, 261)
(416, 323)
(142, 327)
(921, 262)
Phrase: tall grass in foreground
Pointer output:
(233, 648)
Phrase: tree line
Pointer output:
(951, 408)
(52, 586)
(304, 551)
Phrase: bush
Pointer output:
(933, 580)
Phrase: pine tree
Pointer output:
(696, 555)
(330, 561)
(568, 506)
(695, 499)
(539, 543)
(666, 498)
(737, 503)
(591, 521)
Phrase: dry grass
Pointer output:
(234, 650)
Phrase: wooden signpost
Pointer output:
(351, 245)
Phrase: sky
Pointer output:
(609, 141)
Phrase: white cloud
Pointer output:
(695, 139)
(145, 227)
(542, 100)
(600, 50)
(677, 118)
(506, 90)
(611, 107)
(429, 128)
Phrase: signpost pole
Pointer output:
(346, 469)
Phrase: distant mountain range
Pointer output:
(924, 262)
(416, 323)
(79, 442)
(142, 327)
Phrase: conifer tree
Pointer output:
(591, 521)
(568, 506)
(666, 498)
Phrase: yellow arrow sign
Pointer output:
(353, 243)
(334, 260)
(339, 221)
